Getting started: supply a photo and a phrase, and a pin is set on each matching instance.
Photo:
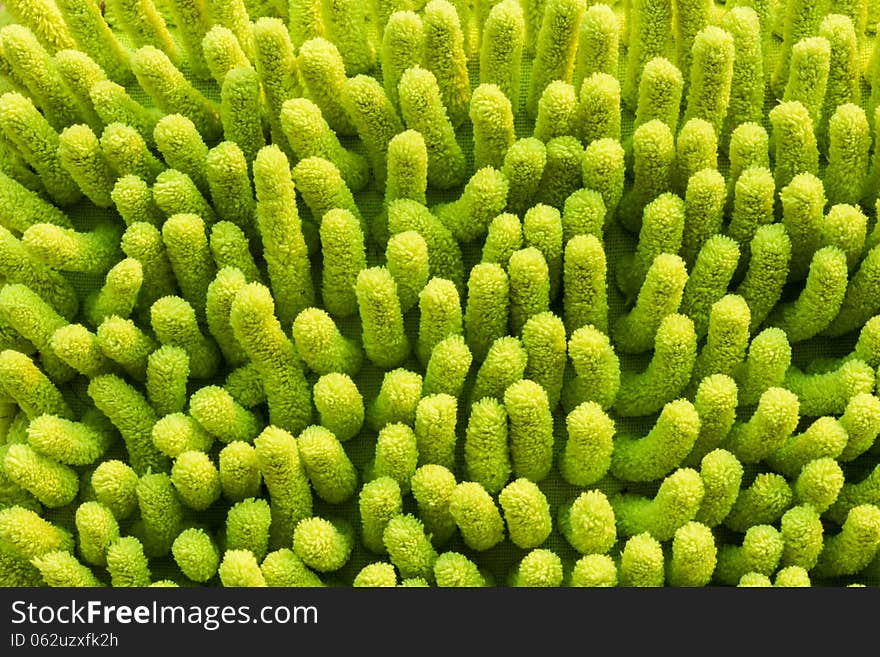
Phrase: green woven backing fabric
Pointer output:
(501, 560)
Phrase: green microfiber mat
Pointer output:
(502, 559)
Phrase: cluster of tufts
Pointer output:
(506, 293)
